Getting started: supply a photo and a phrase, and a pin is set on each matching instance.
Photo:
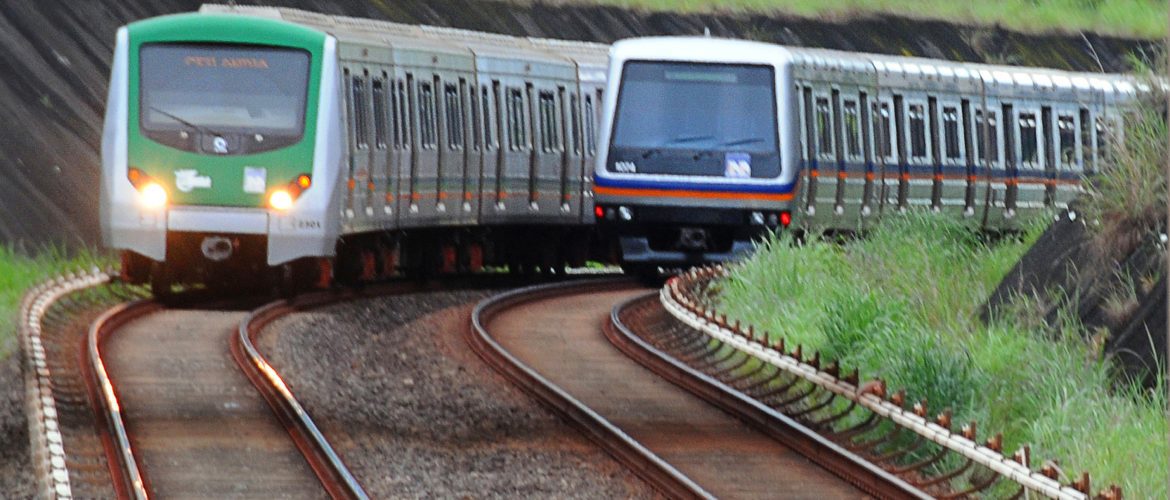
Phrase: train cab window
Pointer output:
(378, 90)
(824, 123)
(590, 126)
(358, 102)
(517, 125)
(575, 119)
(950, 119)
(426, 116)
(851, 122)
(549, 136)
(986, 136)
(453, 106)
(1029, 145)
(1066, 146)
(917, 116)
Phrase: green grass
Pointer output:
(19, 272)
(901, 305)
(1133, 18)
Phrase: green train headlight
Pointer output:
(283, 198)
(151, 194)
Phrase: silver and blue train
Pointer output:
(284, 144)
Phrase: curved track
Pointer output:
(549, 340)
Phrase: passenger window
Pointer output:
(1090, 162)
(476, 120)
(1029, 147)
(427, 116)
(402, 120)
(881, 130)
(950, 117)
(575, 119)
(917, 117)
(516, 124)
(1066, 150)
(454, 116)
(824, 128)
(379, 94)
(986, 134)
(590, 127)
(358, 100)
(549, 136)
(1104, 143)
(489, 120)
(852, 124)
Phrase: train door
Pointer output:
(452, 148)
(591, 97)
(871, 188)
(886, 153)
(378, 207)
(473, 151)
(513, 191)
(545, 199)
(571, 167)
(405, 140)
(424, 159)
(358, 105)
(951, 155)
(822, 172)
(1031, 167)
(990, 188)
(851, 184)
(490, 161)
(918, 171)
(399, 152)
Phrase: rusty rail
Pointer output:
(861, 417)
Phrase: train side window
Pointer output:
(987, 136)
(517, 126)
(917, 117)
(379, 94)
(575, 122)
(852, 128)
(824, 123)
(950, 119)
(547, 104)
(476, 118)
(427, 116)
(487, 100)
(1066, 146)
(454, 116)
(1087, 141)
(590, 126)
(1105, 140)
(404, 126)
(883, 131)
(395, 125)
(358, 98)
(1029, 145)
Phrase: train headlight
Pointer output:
(280, 199)
(153, 195)
(625, 213)
(758, 218)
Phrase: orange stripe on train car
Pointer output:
(713, 195)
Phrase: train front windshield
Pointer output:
(696, 119)
(223, 91)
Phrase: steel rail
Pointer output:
(616, 442)
(687, 309)
(832, 456)
(335, 477)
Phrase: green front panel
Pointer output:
(226, 173)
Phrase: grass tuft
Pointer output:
(901, 305)
(19, 272)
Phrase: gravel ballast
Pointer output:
(415, 413)
(16, 475)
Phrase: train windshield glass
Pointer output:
(223, 89)
(692, 106)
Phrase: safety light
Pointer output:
(280, 200)
(785, 218)
(599, 211)
(304, 181)
(153, 195)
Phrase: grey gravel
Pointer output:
(415, 413)
(16, 475)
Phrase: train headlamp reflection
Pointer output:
(280, 200)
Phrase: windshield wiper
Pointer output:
(199, 128)
(689, 138)
(746, 140)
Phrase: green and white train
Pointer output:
(246, 141)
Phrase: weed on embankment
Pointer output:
(19, 273)
(901, 305)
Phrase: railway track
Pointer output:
(550, 341)
(186, 424)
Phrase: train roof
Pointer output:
(400, 36)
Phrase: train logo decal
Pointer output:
(219, 145)
(625, 167)
(189, 180)
(255, 180)
(738, 165)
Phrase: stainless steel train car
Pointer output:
(241, 141)
(708, 143)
